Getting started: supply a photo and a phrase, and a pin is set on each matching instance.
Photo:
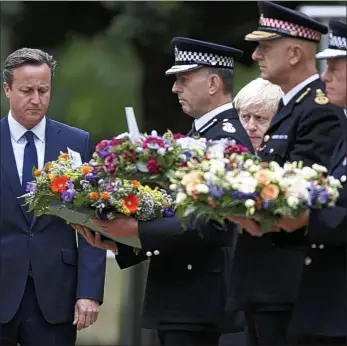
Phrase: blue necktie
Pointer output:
(30, 160)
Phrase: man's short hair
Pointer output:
(259, 92)
(26, 56)
(226, 75)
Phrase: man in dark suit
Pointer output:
(188, 284)
(49, 288)
(320, 312)
(302, 130)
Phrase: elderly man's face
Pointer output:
(192, 89)
(334, 78)
(256, 120)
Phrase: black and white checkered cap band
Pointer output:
(337, 42)
(184, 57)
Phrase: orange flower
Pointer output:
(105, 195)
(94, 195)
(263, 177)
(58, 184)
(270, 191)
(50, 176)
(131, 202)
(135, 183)
(86, 169)
(37, 173)
(64, 156)
(164, 201)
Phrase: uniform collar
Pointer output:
(202, 121)
(17, 130)
(290, 94)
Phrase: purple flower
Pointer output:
(266, 204)
(91, 178)
(168, 212)
(241, 195)
(70, 185)
(31, 187)
(323, 197)
(68, 195)
(216, 191)
(104, 153)
(109, 187)
(188, 154)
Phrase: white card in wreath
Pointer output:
(133, 129)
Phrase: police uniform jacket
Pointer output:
(188, 284)
(269, 267)
(321, 308)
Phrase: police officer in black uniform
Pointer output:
(188, 284)
(320, 313)
(305, 128)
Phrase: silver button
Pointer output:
(343, 178)
(321, 246)
(266, 138)
(189, 267)
(313, 246)
(308, 261)
(156, 252)
(148, 254)
(271, 150)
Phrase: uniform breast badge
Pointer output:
(321, 99)
(228, 127)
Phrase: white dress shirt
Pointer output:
(202, 121)
(290, 94)
(19, 141)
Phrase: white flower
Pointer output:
(249, 203)
(217, 167)
(248, 185)
(308, 173)
(205, 165)
(248, 163)
(173, 187)
(292, 201)
(319, 168)
(274, 165)
(192, 143)
(161, 151)
(202, 188)
(181, 197)
(298, 188)
(154, 133)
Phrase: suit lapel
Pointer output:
(337, 159)
(8, 164)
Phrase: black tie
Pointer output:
(280, 106)
(29, 162)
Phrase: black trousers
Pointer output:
(187, 338)
(267, 327)
(321, 340)
(30, 328)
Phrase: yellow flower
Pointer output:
(263, 177)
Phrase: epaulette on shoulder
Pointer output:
(321, 98)
(303, 95)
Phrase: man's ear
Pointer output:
(7, 89)
(214, 84)
(295, 54)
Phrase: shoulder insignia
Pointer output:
(229, 127)
(303, 95)
(321, 99)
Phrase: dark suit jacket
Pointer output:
(269, 268)
(189, 281)
(62, 272)
(321, 308)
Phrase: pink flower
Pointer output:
(115, 142)
(101, 146)
(153, 166)
(235, 148)
(153, 143)
(110, 163)
(178, 136)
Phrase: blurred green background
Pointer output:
(113, 54)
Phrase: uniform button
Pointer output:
(321, 246)
(271, 150)
(266, 138)
(31, 234)
(308, 261)
(148, 254)
(313, 246)
(343, 178)
(156, 252)
(189, 267)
